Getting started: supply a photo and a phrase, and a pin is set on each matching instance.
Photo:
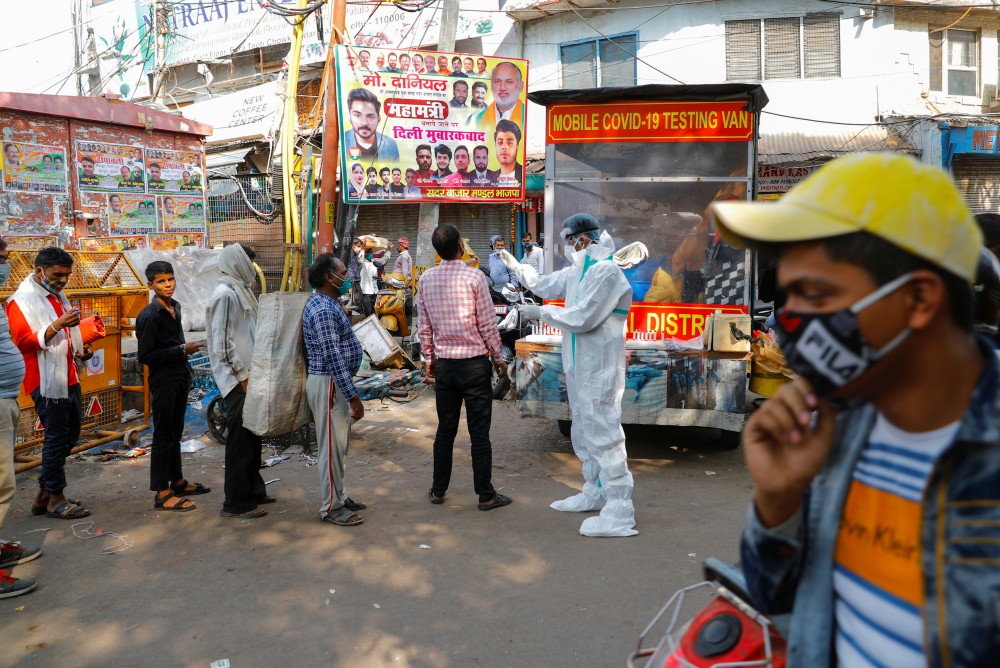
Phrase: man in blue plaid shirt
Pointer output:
(334, 355)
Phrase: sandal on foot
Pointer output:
(248, 515)
(41, 510)
(434, 498)
(181, 505)
(182, 489)
(497, 501)
(266, 499)
(68, 511)
(353, 505)
(343, 517)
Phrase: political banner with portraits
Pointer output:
(131, 213)
(24, 242)
(113, 244)
(182, 214)
(174, 172)
(33, 168)
(161, 242)
(428, 126)
(102, 167)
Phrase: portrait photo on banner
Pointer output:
(102, 167)
(420, 125)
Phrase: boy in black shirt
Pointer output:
(162, 349)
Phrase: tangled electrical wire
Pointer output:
(299, 14)
(413, 6)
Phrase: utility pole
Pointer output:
(332, 214)
(93, 68)
(161, 26)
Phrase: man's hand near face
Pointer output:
(784, 452)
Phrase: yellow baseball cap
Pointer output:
(889, 195)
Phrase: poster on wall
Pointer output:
(131, 213)
(33, 168)
(173, 241)
(104, 167)
(113, 244)
(430, 126)
(25, 242)
(174, 172)
(182, 214)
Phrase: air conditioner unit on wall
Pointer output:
(866, 12)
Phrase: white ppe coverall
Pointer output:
(598, 297)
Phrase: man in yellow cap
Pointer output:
(876, 503)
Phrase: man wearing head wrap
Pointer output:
(229, 329)
(598, 297)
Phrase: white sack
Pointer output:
(276, 393)
(197, 274)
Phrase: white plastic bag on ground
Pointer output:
(276, 393)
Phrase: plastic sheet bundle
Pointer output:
(276, 395)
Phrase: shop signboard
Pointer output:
(431, 126)
(773, 179)
(657, 121)
(33, 168)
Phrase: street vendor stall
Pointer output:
(647, 162)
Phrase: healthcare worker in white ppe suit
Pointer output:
(598, 298)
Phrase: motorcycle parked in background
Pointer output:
(506, 297)
(390, 305)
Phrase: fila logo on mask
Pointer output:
(828, 356)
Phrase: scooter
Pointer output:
(390, 305)
(727, 632)
(506, 298)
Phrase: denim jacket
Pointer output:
(791, 567)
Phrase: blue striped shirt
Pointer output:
(332, 349)
(11, 362)
(877, 577)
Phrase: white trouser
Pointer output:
(333, 436)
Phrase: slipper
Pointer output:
(266, 499)
(343, 517)
(248, 515)
(497, 501)
(181, 506)
(68, 511)
(35, 510)
(353, 505)
(182, 490)
(434, 498)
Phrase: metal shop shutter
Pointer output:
(391, 221)
(978, 180)
(479, 222)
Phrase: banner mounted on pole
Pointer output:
(425, 126)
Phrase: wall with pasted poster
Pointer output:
(45, 190)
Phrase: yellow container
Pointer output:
(766, 384)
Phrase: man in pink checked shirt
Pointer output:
(459, 336)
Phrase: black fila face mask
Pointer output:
(827, 349)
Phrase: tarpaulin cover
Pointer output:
(754, 93)
(276, 394)
(197, 274)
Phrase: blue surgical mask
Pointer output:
(4, 273)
